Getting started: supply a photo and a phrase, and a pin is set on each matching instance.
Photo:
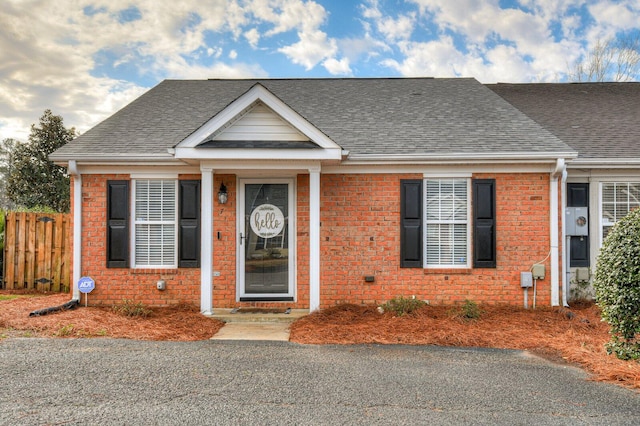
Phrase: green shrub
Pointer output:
(471, 310)
(617, 286)
(402, 305)
(130, 308)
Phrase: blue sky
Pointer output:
(85, 59)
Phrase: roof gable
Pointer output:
(259, 122)
(245, 102)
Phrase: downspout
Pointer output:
(565, 246)
(77, 226)
(558, 172)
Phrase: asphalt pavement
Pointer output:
(217, 382)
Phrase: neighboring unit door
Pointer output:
(266, 267)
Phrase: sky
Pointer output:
(85, 59)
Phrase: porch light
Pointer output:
(222, 194)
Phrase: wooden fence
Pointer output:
(37, 251)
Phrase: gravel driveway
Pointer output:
(125, 382)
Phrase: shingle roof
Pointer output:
(599, 120)
(388, 116)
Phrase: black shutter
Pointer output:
(411, 223)
(484, 223)
(189, 224)
(118, 224)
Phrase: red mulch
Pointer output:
(180, 322)
(574, 335)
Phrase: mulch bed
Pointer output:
(179, 322)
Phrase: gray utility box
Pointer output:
(577, 221)
(526, 279)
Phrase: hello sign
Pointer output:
(267, 221)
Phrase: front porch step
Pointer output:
(227, 315)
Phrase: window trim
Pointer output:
(135, 222)
(601, 224)
(468, 221)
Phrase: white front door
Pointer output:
(266, 243)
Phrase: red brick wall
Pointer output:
(359, 236)
(113, 285)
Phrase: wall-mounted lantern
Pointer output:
(222, 194)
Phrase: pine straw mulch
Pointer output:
(574, 335)
(180, 322)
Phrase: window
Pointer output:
(155, 223)
(618, 199)
(447, 223)
(436, 223)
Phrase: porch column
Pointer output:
(314, 239)
(206, 241)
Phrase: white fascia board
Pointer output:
(604, 163)
(439, 169)
(258, 154)
(237, 107)
(495, 157)
(124, 159)
(140, 168)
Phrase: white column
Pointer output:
(206, 241)
(314, 239)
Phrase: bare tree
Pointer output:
(610, 60)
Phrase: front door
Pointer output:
(266, 267)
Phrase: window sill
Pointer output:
(149, 271)
(448, 271)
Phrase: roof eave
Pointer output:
(459, 158)
(604, 163)
(124, 158)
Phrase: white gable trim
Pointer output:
(239, 107)
(259, 123)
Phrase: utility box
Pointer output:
(577, 221)
(538, 272)
(526, 279)
(582, 275)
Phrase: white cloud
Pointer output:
(336, 67)
(312, 48)
(253, 37)
(371, 9)
(620, 16)
(431, 59)
(397, 28)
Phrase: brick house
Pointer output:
(307, 193)
(601, 121)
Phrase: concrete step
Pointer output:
(278, 331)
(236, 316)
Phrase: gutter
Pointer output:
(77, 227)
(559, 171)
(459, 158)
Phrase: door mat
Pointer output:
(261, 311)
